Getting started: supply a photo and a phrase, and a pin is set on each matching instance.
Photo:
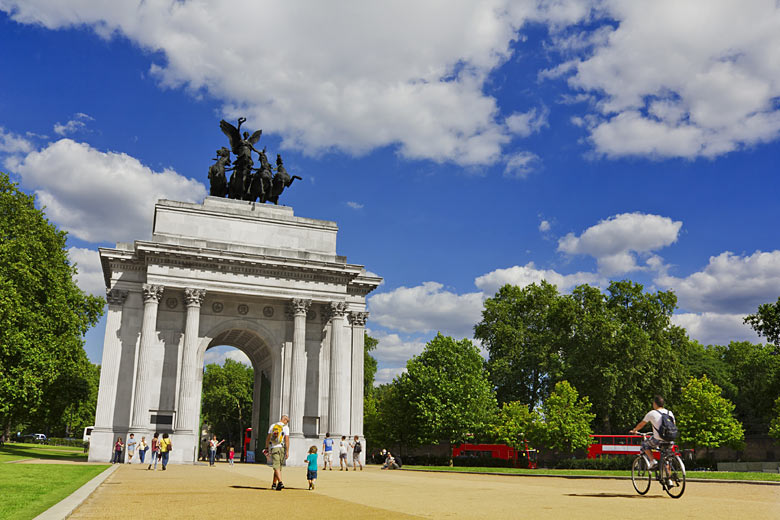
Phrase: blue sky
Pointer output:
(459, 147)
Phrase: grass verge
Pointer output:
(713, 475)
(20, 450)
(30, 489)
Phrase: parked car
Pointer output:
(37, 438)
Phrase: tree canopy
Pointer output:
(567, 419)
(227, 398)
(705, 418)
(766, 322)
(44, 314)
(444, 395)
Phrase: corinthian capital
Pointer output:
(194, 297)
(337, 309)
(358, 319)
(116, 296)
(298, 306)
(153, 292)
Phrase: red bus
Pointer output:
(606, 445)
(498, 451)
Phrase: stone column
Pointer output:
(298, 308)
(112, 353)
(338, 396)
(187, 413)
(143, 376)
(358, 321)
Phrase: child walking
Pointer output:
(231, 454)
(311, 470)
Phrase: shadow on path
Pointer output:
(611, 495)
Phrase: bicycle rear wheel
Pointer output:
(675, 481)
(640, 475)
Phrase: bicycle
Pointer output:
(669, 471)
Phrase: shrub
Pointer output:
(604, 463)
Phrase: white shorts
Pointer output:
(327, 456)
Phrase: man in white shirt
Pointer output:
(654, 418)
(278, 440)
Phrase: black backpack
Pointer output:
(668, 429)
(358, 448)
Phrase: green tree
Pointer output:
(227, 398)
(369, 364)
(515, 424)
(524, 330)
(445, 395)
(44, 315)
(753, 382)
(567, 419)
(705, 418)
(623, 348)
(774, 424)
(766, 322)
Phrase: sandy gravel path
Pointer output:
(243, 492)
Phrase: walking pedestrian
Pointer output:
(213, 445)
(231, 455)
(311, 469)
(278, 440)
(165, 450)
(142, 449)
(357, 449)
(327, 452)
(118, 445)
(155, 452)
(343, 454)
(131, 444)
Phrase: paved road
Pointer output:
(243, 492)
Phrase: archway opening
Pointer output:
(236, 395)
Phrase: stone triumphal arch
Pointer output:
(251, 276)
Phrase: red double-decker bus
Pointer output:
(606, 445)
(520, 458)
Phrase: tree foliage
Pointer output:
(774, 424)
(515, 424)
(623, 349)
(227, 398)
(705, 418)
(523, 330)
(444, 394)
(567, 419)
(369, 364)
(44, 315)
(766, 322)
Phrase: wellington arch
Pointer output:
(247, 275)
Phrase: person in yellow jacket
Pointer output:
(165, 449)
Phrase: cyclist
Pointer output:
(654, 418)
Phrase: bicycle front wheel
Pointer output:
(640, 475)
(675, 484)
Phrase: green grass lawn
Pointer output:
(21, 450)
(30, 489)
(721, 475)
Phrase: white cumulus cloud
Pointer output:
(218, 355)
(12, 143)
(90, 271)
(680, 78)
(74, 125)
(386, 375)
(427, 308)
(729, 283)
(522, 275)
(347, 75)
(710, 328)
(615, 241)
(100, 196)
